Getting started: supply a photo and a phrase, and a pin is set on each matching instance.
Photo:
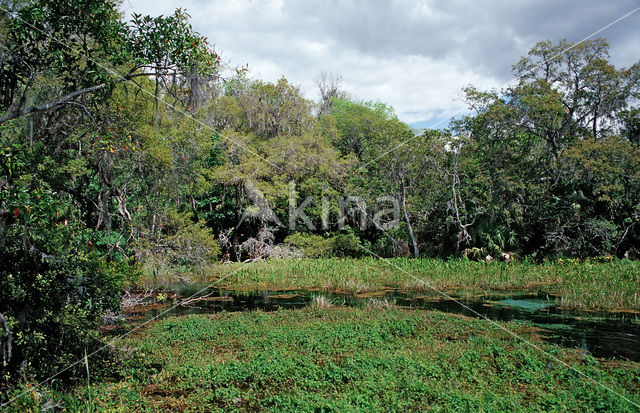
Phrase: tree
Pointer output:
(78, 151)
(89, 50)
(591, 90)
(329, 87)
(600, 206)
(568, 99)
(269, 110)
(357, 123)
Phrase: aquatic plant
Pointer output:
(593, 285)
(346, 359)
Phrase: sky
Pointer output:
(413, 55)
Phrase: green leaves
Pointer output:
(169, 43)
(557, 176)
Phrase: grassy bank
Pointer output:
(581, 285)
(341, 359)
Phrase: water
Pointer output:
(607, 335)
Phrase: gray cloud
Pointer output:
(415, 55)
(490, 35)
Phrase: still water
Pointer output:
(607, 335)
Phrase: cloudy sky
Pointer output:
(415, 55)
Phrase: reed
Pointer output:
(580, 285)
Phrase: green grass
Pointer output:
(342, 359)
(590, 285)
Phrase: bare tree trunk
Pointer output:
(7, 342)
(414, 242)
(153, 225)
(235, 242)
(31, 130)
(456, 204)
(594, 126)
(156, 119)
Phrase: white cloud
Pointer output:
(415, 56)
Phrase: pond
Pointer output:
(605, 334)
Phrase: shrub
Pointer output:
(55, 281)
(51, 307)
(346, 245)
(312, 246)
(315, 246)
(182, 243)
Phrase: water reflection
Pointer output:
(609, 335)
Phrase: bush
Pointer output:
(192, 245)
(182, 243)
(312, 246)
(315, 246)
(55, 283)
(52, 307)
(346, 245)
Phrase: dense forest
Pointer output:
(130, 146)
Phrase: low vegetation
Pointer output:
(341, 359)
(590, 285)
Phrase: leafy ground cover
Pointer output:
(325, 358)
(346, 359)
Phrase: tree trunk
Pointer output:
(156, 117)
(416, 251)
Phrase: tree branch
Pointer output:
(64, 99)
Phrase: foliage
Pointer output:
(607, 285)
(547, 170)
(78, 154)
(86, 28)
(345, 244)
(181, 242)
(342, 359)
(167, 42)
(102, 171)
(602, 205)
(313, 246)
(55, 282)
